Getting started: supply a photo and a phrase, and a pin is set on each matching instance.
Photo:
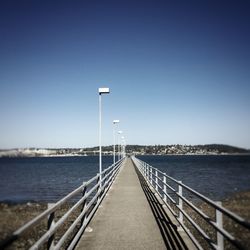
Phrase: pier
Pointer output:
(125, 219)
(132, 205)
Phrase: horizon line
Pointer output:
(111, 145)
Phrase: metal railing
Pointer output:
(175, 196)
(90, 194)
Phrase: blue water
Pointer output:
(216, 176)
(49, 179)
(45, 178)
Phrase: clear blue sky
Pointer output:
(178, 71)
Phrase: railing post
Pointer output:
(180, 202)
(112, 170)
(84, 203)
(103, 177)
(156, 180)
(99, 187)
(51, 222)
(219, 221)
(147, 172)
(164, 187)
(151, 176)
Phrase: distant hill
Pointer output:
(224, 148)
(176, 149)
(187, 149)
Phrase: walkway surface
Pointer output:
(125, 219)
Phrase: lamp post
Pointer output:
(119, 146)
(101, 91)
(123, 146)
(114, 123)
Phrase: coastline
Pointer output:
(238, 203)
(173, 149)
(109, 154)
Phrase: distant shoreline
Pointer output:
(54, 156)
(177, 149)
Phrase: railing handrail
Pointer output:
(109, 171)
(147, 171)
(230, 214)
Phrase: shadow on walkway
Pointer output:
(168, 230)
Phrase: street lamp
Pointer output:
(114, 122)
(101, 91)
(123, 146)
(119, 146)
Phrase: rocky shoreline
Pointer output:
(239, 203)
(13, 216)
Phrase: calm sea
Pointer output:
(49, 179)
(45, 178)
(216, 176)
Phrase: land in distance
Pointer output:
(177, 149)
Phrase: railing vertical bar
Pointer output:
(147, 176)
(156, 180)
(180, 203)
(164, 188)
(219, 221)
(151, 175)
(84, 203)
(51, 222)
(98, 181)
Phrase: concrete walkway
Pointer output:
(125, 219)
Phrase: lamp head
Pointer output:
(103, 91)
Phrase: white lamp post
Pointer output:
(119, 146)
(114, 122)
(123, 146)
(101, 91)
